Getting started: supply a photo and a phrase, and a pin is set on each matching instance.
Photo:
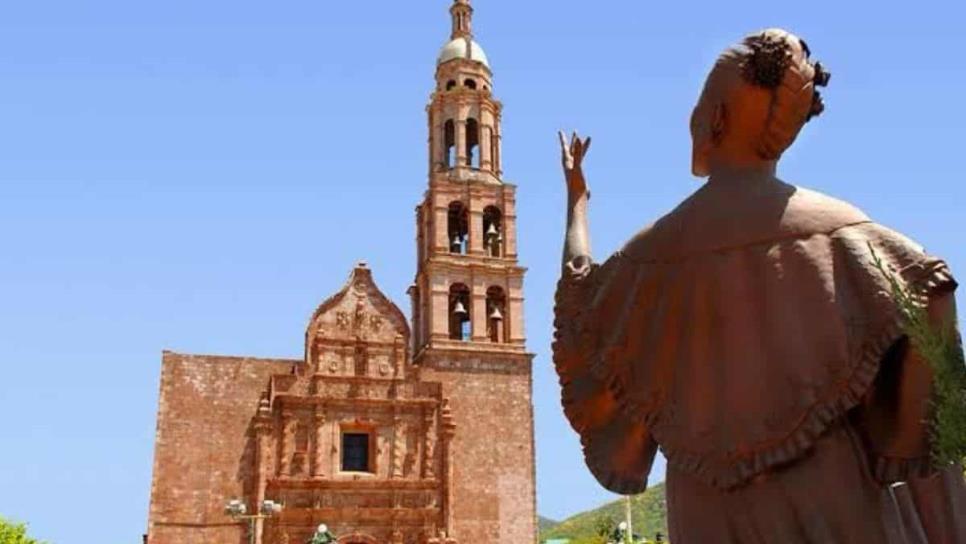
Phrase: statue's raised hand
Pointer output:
(572, 156)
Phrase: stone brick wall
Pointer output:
(493, 490)
(202, 447)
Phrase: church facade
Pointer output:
(390, 430)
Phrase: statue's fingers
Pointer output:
(563, 139)
(586, 145)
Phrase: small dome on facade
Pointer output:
(462, 48)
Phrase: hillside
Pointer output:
(545, 524)
(647, 510)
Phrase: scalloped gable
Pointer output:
(359, 311)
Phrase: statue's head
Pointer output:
(757, 98)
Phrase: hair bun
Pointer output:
(769, 58)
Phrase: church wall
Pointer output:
(202, 446)
(493, 490)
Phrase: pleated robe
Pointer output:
(750, 336)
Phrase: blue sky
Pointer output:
(197, 176)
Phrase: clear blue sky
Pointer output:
(197, 176)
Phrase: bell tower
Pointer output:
(467, 298)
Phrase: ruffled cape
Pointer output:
(732, 333)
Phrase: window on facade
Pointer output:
(460, 309)
(470, 84)
(450, 84)
(355, 452)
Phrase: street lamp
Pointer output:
(238, 511)
(322, 535)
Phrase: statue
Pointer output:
(749, 336)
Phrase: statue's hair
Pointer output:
(772, 59)
(768, 57)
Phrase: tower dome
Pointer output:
(462, 47)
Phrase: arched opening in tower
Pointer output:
(472, 143)
(470, 84)
(493, 231)
(496, 314)
(458, 227)
(460, 308)
(449, 144)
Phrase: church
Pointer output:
(389, 430)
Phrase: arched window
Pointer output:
(493, 231)
(450, 84)
(449, 144)
(460, 308)
(458, 228)
(472, 143)
(470, 84)
(496, 315)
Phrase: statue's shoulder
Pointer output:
(715, 219)
(812, 212)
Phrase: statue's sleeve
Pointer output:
(896, 413)
(895, 417)
(590, 302)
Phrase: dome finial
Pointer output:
(462, 13)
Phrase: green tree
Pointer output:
(603, 525)
(940, 347)
(15, 533)
(590, 540)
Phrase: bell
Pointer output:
(457, 243)
(492, 232)
(496, 315)
(459, 309)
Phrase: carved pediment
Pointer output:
(360, 312)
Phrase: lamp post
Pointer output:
(322, 535)
(239, 512)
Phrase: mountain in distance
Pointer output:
(648, 513)
(545, 524)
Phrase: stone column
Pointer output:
(440, 313)
(263, 456)
(475, 217)
(429, 447)
(440, 228)
(461, 158)
(448, 431)
(318, 451)
(398, 449)
(498, 151)
(288, 444)
(486, 147)
(478, 292)
(439, 134)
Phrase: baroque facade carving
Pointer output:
(318, 416)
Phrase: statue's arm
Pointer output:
(618, 448)
(895, 416)
(576, 252)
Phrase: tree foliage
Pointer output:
(15, 533)
(941, 348)
(648, 512)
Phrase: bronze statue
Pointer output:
(749, 336)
